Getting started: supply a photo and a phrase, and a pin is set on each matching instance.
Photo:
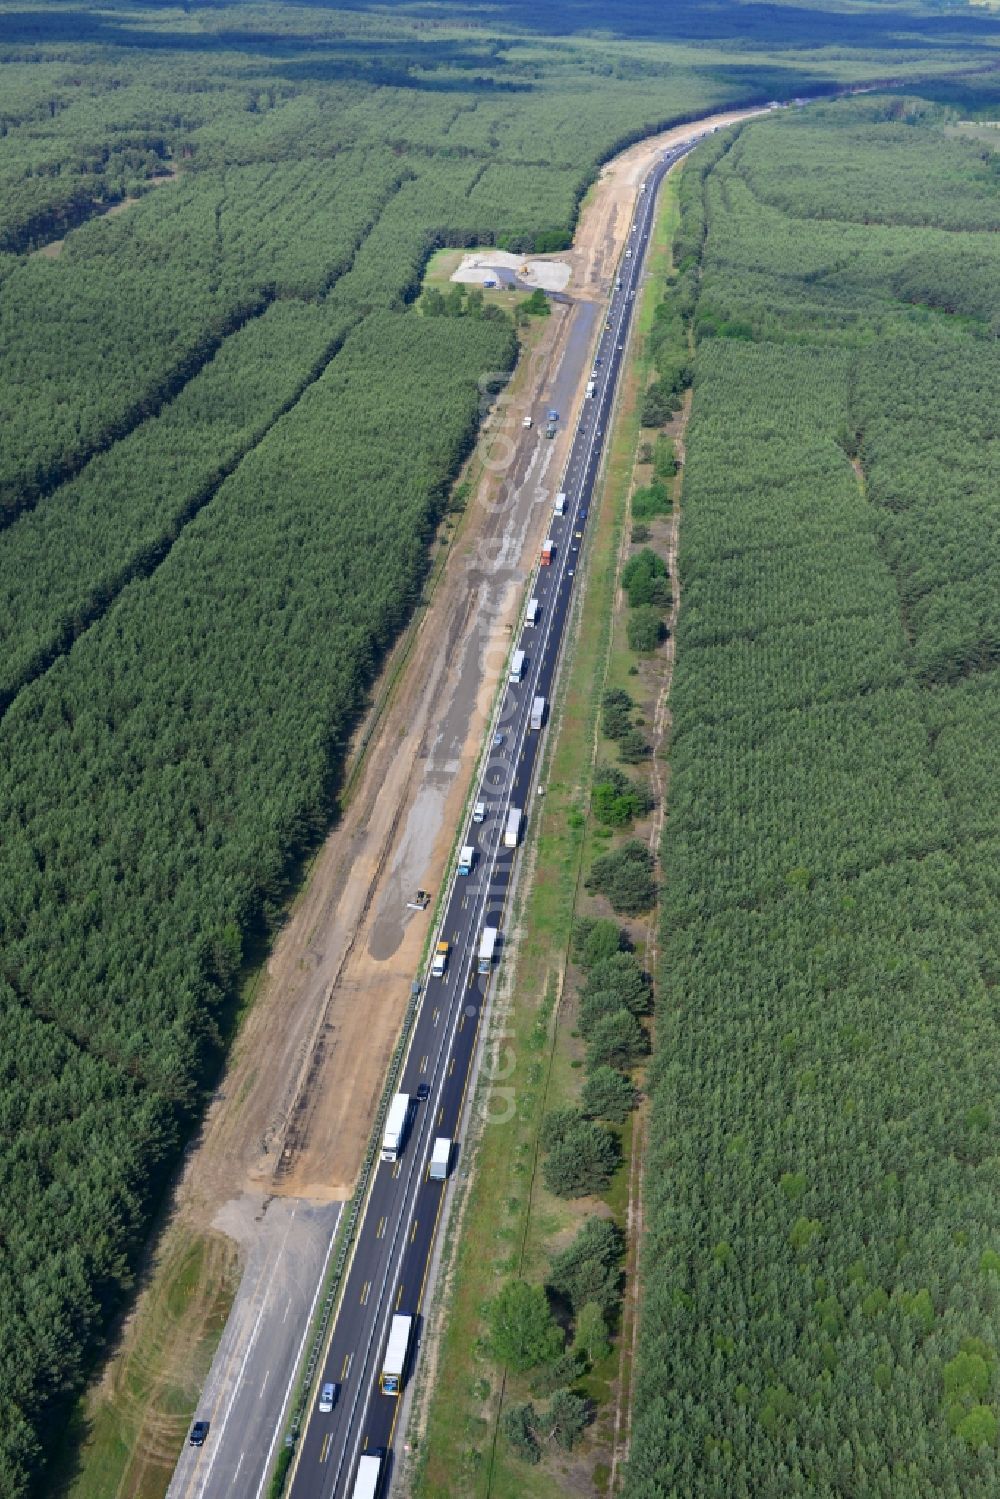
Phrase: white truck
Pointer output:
(531, 613)
(466, 859)
(591, 389)
(394, 1364)
(538, 713)
(479, 812)
(517, 667)
(561, 503)
(440, 1159)
(395, 1127)
(512, 832)
(487, 947)
(526, 423)
(366, 1485)
(440, 962)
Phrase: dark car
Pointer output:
(199, 1432)
(423, 1093)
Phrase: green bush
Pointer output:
(596, 937)
(634, 747)
(519, 1424)
(590, 1336)
(537, 305)
(645, 629)
(664, 457)
(616, 1040)
(616, 713)
(625, 876)
(521, 1331)
(608, 1094)
(614, 983)
(616, 799)
(581, 1156)
(566, 1370)
(590, 1270)
(645, 579)
(566, 1418)
(652, 501)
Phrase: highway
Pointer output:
(396, 1234)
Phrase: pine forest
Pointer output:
(229, 436)
(822, 1282)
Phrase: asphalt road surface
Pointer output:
(255, 1363)
(396, 1235)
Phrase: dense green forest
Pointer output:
(228, 436)
(822, 1302)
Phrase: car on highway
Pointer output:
(498, 739)
(423, 1093)
(199, 1432)
(578, 534)
(584, 513)
(328, 1398)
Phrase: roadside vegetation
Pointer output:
(229, 438)
(820, 1262)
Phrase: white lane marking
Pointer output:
(279, 1424)
(264, 1385)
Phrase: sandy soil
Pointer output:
(550, 275)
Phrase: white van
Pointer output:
(531, 613)
(561, 504)
(479, 812)
(517, 667)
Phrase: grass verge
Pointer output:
(510, 1222)
(132, 1426)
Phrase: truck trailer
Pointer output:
(395, 1127)
(531, 613)
(487, 947)
(512, 832)
(548, 547)
(517, 667)
(538, 713)
(394, 1364)
(440, 962)
(366, 1485)
(561, 502)
(466, 859)
(440, 1159)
